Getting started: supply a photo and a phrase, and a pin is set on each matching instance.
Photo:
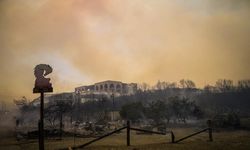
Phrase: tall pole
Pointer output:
(41, 135)
(42, 85)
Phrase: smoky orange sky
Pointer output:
(87, 41)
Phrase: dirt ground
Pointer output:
(223, 140)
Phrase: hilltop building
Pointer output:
(107, 88)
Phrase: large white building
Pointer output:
(108, 87)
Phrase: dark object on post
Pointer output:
(42, 84)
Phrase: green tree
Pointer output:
(133, 111)
(158, 111)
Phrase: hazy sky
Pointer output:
(87, 41)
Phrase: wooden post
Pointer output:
(172, 137)
(41, 132)
(61, 126)
(128, 133)
(209, 123)
(75, 134)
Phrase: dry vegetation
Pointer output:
(227, 140)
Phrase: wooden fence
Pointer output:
(129, 128)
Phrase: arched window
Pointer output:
(111, 87)
(118, 88)
(105, 87)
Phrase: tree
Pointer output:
(197, 112)
(172, 85)
(133, 111)
(158, 111)
(55, 111)
(209, 88)
(181, 108)
(182, 83)
(243, 85)
(189, 84)
(163, 85)
(144, 86)
(224, 85)
(27, 112)
(95, 110)
(159, 85)
(21, 102)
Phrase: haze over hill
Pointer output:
(132, 41)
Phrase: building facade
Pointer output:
(107, 88)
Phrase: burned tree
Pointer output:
(55, 112)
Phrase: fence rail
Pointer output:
(147, 131)
(186, 137)
(99, 138)
(209, 129)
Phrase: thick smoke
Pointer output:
(132, 41)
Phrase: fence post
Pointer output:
(209, 123)
(128, 133)
(172, 137)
